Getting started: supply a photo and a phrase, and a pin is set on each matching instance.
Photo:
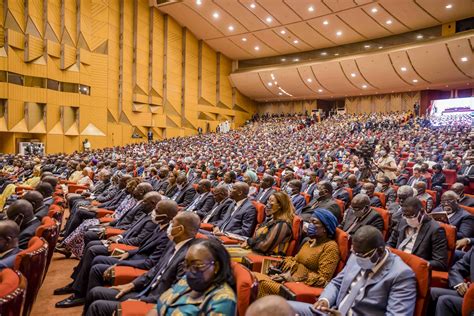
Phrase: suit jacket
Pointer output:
(309, 188)
(130, 216)
(466, 170)
(462, 269)
(42, 212)
(390, 195)
(115, 202)
(9, 259)
(390, 291)
(241, 221)
(356, 189)
(160, 185)
(375, 201)
(140, 230)
(430, 243)
(48, 201)
(27, 232)
(170, 271)
(150, 251)
(186, 195)
(218, 212)
(467, 201)
(108, 194)
(371, 218)
(329, 203)
(263, 195)
(205, 203)
(464, 223)
(412, 181)
(298, 202)
(341, 194)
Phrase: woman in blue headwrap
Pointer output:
(315, 262)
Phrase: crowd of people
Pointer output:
(181, 209)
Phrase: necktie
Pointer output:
(196, 201)
(211, 213)
(346, 304)
(156, 279)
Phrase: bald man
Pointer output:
(21, 212)
(9, 232)
(36, 199)
(359, 214)
(271, 305)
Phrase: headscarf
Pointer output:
(327, 219)
(252, 175)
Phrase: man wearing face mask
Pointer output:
(374, 282)
(360, 214)
(369, 189)
(463, 199)
(467, 167)
(383, 186)
(293, 189)
(310, 186)
(9, 232)
(149, 286)
(323, 200)
(21, 212)
(161, 184)
(186, 192)
(220, 208)
(420, 235)
(387, 164)
(339, 192)
(204, 199)
(462, 219)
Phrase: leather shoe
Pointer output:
(63, 251)
(64, 290)
(71, 301)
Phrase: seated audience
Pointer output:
(369, 189)
(185, 193)
(9, 232)
(340, 192)
(203, 200)
(36, 199)
(220, 208)
(323, 200)
(250, 177)
(424, 196)
(172, 186)
(310, 186)
(416, 177)
(266, 189)
(462, 219)
(21, 212)
(465, 200)
(395, 209)
(293, 189)
(354, 185)
(360, 214)
(383, 186)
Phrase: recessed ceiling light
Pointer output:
(283, 59)
(374, 10)
(215, 15)
(279, 93)
(463, 59)
(353, 75)
(367, 46)
(309, 80)
(296, 59)
(380, 47)
(324, 54)
(364, 86)
(269, 19)
(320, 90)
(325, 22)
(388, 22)
(403, 69)
(198, 2)
(339, 33)
(419, 36)
(415, 80)
(256, 48)
(244, 39)
(275, 82)
(336, 54)
(449, 6)
(231, 28)
(252, 5)
(311, 9)
(283, 32)
(295, 41)
(270, 84)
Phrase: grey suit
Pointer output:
(263, 195)
(186, 195)
(218, 212)
(240, 221)
(371, 218)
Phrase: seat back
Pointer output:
(386, 216)
(246, 285)
(422, 271)
(433, 196)
(467, 208)
(296, 236)
(344, 244)
(56, 212)
(351, 193)
(450, 175)
(12, 292)
(31, 262)
(382, 198)
(49, 231)
(260, 211)
(450, 231)
(306, 196)
(342, 206)
(468, 302)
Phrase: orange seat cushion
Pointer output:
(229, 241)
(9, 282)
(124, 274)
(109, 232)
(303, 292)
(135, 308)
(207, 226)
(439, 279)
(123, 247)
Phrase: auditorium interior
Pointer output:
(236, 157)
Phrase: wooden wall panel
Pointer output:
(174, 60)
(225, 86)
(208, 80)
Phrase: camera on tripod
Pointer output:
(366, 150)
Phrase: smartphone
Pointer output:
(317, 311)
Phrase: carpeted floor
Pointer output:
(58, 276)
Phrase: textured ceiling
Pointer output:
(237, 27)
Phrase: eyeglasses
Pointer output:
(364, 255)
(447, 202)
(198, 267)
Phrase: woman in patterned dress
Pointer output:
(315, 262)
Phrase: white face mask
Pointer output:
(414, 222)
(468, 162)
(179, 186)
(363, 191)
(169, 230)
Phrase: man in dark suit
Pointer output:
(293, 189)
(265, 189)
(448, 302)
(221, 207)
(383, 186)
(186, 192)
(310, 186)
(463, 199)
(462, 219)
(242, 219)
(323, 200)
(340, 192)
(420, 235)
(369, 189)
(9, 232)
(162, 182)
(354, 185)
(360, 214)
(46, 189)
(204, 200)
(416, 177)
(149, 286)
(21, 212)
(36, 199)
(135, 236)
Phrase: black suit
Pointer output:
(240, 220)
(467, 201)
(115, 202)
(371, 218)
(128, 218)
(430, 243)
(375, 201)
(328, 203)
(264, 194)
(102, 300)
(42, 212)
(218, 211)
(27, 232)
(341, 194)
(202, 203)
(186, 195)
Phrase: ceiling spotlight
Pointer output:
(415, 80)
(244, 39)
(295, 41)
(320, 90)
(367, 46)
(364, 86)
(339, 33)
(325, 22)
(273, 76)
(324, 54)
(463, 59)
(419, 36)
(403, 69)
(353, 75)
(449, 6)
(380, 47)
(283, 32)
(374, 10)
(309, 80)
(311, 9)
(231, 28)
(252, 5)
(388, 22)
(296, 59)
(256, 48)
(269, 19)
(215, 15)
(198, 2)
(283, 59)
(279, 93)
(336, 54)
(270, 84)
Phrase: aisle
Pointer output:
(58, 276)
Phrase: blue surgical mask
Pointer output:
(365, 263)
(312, 230)
(289, 190)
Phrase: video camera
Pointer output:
(366, 150)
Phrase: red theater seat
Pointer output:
(386, 221)
(440, 278)
(246, 286)
(468, 302)
(12, 292)
(49, 231)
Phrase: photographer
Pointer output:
(387, 164)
